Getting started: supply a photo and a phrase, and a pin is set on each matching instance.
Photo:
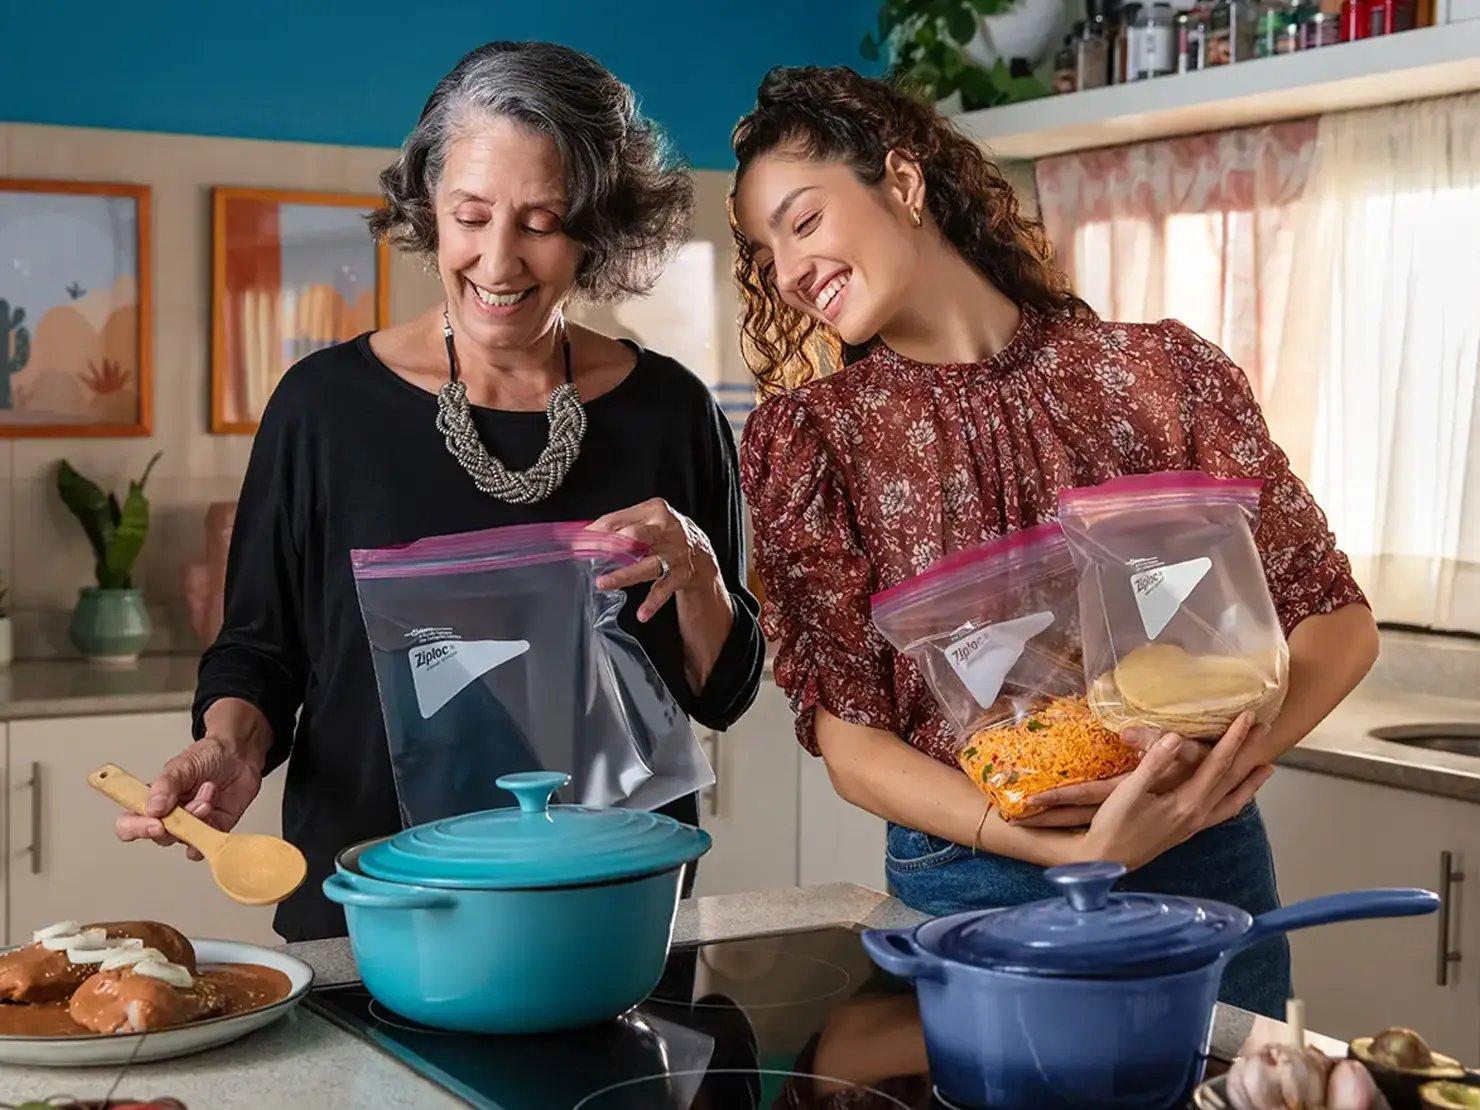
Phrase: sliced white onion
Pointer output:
(88, 938)
(173, 974)
(88, 955)
(128, 957)
(60, 929)
(126, 944)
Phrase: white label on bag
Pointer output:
(981, 659)
(442, 670)
(1160, 592)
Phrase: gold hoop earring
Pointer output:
(919, 219)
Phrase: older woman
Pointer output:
(529, 180)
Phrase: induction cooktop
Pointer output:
(789, 1022)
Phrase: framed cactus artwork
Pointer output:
(291, 272)
(74, 309)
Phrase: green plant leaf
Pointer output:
(133, 528)
(869, 48)
(961, 24)
(89, 505)
(989, 7)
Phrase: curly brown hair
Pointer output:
(836, 114)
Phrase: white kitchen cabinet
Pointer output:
(64, 861)
(1333, 834)
(751, 811)
(840, 843)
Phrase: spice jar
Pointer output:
(1321, 29)
(1063, 67)
(1230, 33)
(1356, 19)
(1390, 16)
(1128, 53)
(1091, 60)
(1156, 41)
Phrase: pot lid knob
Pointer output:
(1085, 885)
(534, 788)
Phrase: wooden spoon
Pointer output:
(252, 868)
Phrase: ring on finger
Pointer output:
(663, 567)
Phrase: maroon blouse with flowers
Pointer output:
(862, 479)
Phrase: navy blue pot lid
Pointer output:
(1090, 931)
(534, 845)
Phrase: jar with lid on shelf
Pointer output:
(1128, 52)
(1230, 32)
(1092, 47)
(1323, 28)
(1091, 56)
(1356, 19)
(1063, 67)
(1156, 41)
(1391, 16)
(1189, 41)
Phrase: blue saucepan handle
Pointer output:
(1347, 906)
(896, 952)
(337, 890)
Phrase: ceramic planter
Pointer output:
(110, 627)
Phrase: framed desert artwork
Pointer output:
(74, 309)
(291, 272)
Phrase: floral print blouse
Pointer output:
(861, 479)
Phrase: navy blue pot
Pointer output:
(1099, 1000)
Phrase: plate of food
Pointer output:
(130, 991)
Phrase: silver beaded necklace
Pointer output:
(519, 487)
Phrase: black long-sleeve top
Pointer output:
(348, 455)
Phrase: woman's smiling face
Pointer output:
(836, 249)
(506, 264)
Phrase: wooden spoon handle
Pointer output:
(132, 795)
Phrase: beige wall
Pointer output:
(43, 554)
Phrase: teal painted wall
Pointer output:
(358, 73)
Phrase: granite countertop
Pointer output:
(305, 1060)
(1341, 744)
(76, 688)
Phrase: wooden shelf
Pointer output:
(1432, 61)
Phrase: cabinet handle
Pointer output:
(709, 796)
(1448, 876)
(35, 849)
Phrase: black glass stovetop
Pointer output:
(738, 1025)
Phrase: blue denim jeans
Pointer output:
(1230, 862)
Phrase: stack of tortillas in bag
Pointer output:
(1196, 696)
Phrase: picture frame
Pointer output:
(292, 271)
(76, 287)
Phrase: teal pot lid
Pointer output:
(534, 845)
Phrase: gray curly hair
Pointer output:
(630, 201)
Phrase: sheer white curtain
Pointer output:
(1338, 261)
(1388, 344)
(1197, 228)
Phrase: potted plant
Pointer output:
(7, 641)
(110, 625)
(936, 48)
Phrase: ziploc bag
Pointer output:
(995, 632)
(494, 652)
(1180, 632)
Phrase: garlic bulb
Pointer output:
(1351, 1088)
(1279, 1077)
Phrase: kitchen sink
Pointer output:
(1461, 738)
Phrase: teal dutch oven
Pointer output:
(518, 920)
